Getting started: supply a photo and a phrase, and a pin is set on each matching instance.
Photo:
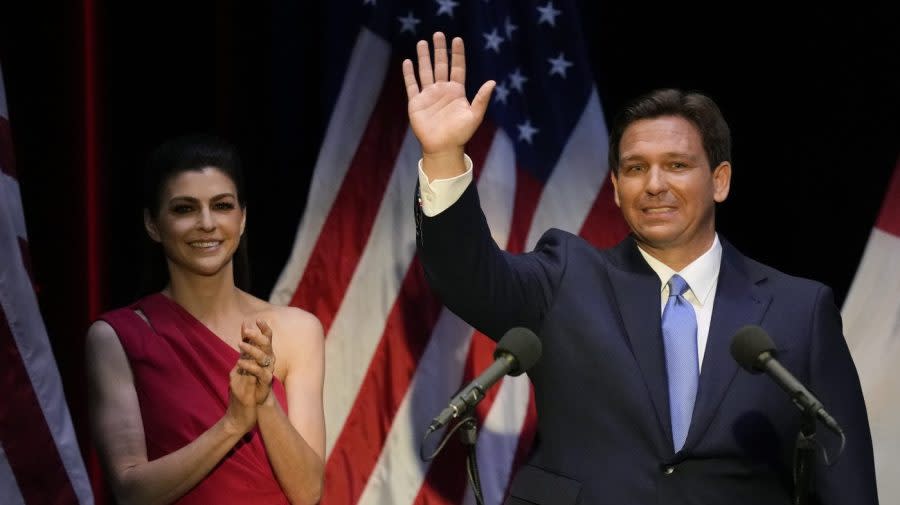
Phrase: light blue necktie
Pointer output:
(679, 329)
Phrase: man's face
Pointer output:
(665, 187)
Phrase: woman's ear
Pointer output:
(150, 226)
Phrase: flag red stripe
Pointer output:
(889, 219)
(412, 318)
(349, 223)
(481, 356)
(24, 433)
(528, 195)
(7, 156)
(604, 226)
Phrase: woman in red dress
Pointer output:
(201, 392)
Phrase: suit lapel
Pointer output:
(637, 291)
(739, 301)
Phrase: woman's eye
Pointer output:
(181, 209)
(224, 206)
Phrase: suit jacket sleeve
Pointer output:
(485, 286)
(834, 380)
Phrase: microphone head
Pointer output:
(747, 345)
(523, 345)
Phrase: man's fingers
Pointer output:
(425, 76)
(440, 57)
(458, 62)
(409, 79)
(483, 99)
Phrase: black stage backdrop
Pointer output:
(92, 85)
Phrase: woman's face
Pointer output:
(200, 221)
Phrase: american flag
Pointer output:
(40, 461)
(394, 354)
(871, 315)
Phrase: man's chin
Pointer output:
(656, 237)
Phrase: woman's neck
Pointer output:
(208, 298)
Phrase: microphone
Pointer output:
(517, 351)
(754, 350)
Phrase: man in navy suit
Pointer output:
(638, 398)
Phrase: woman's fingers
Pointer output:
(263, 358)
(251, 367)
(259, 334)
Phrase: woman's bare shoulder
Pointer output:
(295, 321)
(298, 338)
(100, 333)
(104, 355)
(297, 316)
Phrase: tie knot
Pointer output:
(677, 285)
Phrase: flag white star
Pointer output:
(526, 131)
(492, 40)
(409, 23)
(516, 80)
(548, 14)
(559, 65)
(501, 92)
(509, 27)
(446, 7)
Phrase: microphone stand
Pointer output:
(468, 436)
(804, 459)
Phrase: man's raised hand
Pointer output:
(440, 115)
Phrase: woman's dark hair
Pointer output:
(171, 158)
(697, 108)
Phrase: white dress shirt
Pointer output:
(439, 194)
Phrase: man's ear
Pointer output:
(150, 226)
(721, 181)
(615, 183)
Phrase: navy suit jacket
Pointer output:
(604, 433)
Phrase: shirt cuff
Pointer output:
(439, 194)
